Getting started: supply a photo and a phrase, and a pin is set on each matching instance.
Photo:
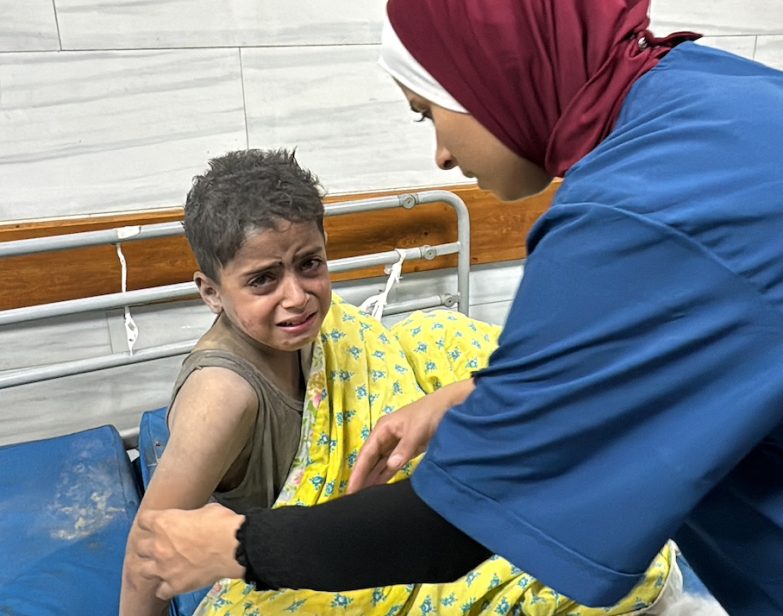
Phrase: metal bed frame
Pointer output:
(119, 236)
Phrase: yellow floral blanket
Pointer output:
(361, 371)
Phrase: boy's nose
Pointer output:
(294, 295)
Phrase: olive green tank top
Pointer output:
(278, 419)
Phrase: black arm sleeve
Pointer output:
(381, 536)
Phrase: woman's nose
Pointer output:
(444, 159)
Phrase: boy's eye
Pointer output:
(261, 280)
(312, 265)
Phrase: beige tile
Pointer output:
(349, 122)
(129, 24)
(716, 17)
(85, 133)
(769, 50)
(28, 26)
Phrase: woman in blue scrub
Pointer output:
(637, 392)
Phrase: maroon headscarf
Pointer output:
(546, 77)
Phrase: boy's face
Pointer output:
(276, 289)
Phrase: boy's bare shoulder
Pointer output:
(213, 393)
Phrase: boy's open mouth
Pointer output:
(297, 322)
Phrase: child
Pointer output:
(255, 224)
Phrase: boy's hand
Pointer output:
(401, 436)
(186, 550)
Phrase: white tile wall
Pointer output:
(769, 50)
(136, 98)
(161, 86)
(160, 324)
(130, 24)
(28, 26)
(741, 45)
(717, 17)
(38, 343)
(358, 135)
(117, 396)
(108, 131)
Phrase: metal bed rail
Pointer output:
(25, 376)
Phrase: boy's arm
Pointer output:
(212, 420)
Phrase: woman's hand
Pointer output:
(401, 436)
(186, 550)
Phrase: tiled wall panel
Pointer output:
(112, 131)
(350, 122)
(744, 46)
(718, 17)
(769, 50)
(117, 396)
(101, 131)
(28, 26)
(121, 102)
(131, 24)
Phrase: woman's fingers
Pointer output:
(186, 550)
(373, 457)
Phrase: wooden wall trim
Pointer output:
(498, 232)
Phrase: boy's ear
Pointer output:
(209, 291)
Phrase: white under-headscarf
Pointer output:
(400, 64)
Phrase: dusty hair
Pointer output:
(242, 192)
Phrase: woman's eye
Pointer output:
(423, 115)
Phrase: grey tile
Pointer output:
(347, 118)
(716, 17)
(128, 24)
(770, 51)
(28, 26)
(85, 133)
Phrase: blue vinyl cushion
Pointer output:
(66, 507)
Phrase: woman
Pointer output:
(642, 354)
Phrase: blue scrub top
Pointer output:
(637, 392)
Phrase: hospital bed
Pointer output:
(67, 502)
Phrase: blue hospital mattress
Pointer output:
(66, 506)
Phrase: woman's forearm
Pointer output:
(381, 536)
